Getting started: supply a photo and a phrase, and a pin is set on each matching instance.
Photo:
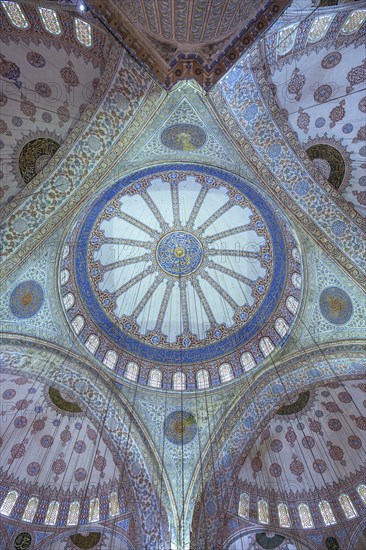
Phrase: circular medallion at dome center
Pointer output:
(179, 253)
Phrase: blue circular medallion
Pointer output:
(336, 305)
(179, 253)
(180, 427)
(26, 299)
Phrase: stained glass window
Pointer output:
(347, 506)
(362, 492)
(50, 20)
(65, 251)
(132, 371)
(203, 380)
(286, 39)
(247, 360)
(266, 346)
(30, 509)
(296, 255)
(73, 517)
(243, 510)
(226, 372)
(68, 300)
(65, 274)
(78, 323)
(110, 359)
(281, 327)
(354, 22)
(94, 509)
(283, 515)
(319, 27)
(15, 14)
(113, 505)
(92, 343)
(179, 381)
(296, 280)
(263, 513)
(291, 304)
(9, 503)
(155, 378)
(305, 516)
(83, 32)
(52, 512)
(327, 513)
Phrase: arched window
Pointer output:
(296, 280)
(226, 372)
(15, 14)
(94, 510)
(50, 20)
(283, 515)
(319, 27)
(52, 512)
(247, 361)
(305, 516)
(179, 381)
(327, 513)
(113, 505)
(92, 343)
(68, 300)
(263, 512)
(286, 39)
(65, 251)
(9, 502)
(155, 377)
(64, 276)
(291, 304)
(30, 509)
(83, 32)
(266, 346)
(73, 517)
(203, 380)
(362, 492)
(78, 323)
(132, 371)
(243, 510)
(110, 359)
(347, 506)
(296, 255)
(281, 327)
(353, 22)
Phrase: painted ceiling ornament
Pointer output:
(180, 427)
(296, 406)
(86, 540)
(357, 75)
(332, 159)
(303, 120)
(180, 265)
(337, 113)
(26, 299)
(335, 305)
(23, 541)
(183, 137)
(36, 59)
(35, 155)
(10, 71)
(270, 542)
(296, 84)
(331, 60)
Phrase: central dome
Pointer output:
(183, 266)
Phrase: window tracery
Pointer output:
(247, 361)
(83, 32)
(113, 505)
(92, 343)
(132, 372)
(266, 346)
(305, 516)
(286, 39)
(319, 27)
(203, 380)
(327, 513)
(9, 503)
(73, 516)
(263, 511)
(94, 510)
(78, 323)
(347, 506)
(226, 372)
(68, 300)
(30, 509)
(361, 489)
(243, 509)
(283, 515)
(179, 381)
(354, 22)
(155, 377)
(64, 276)
(281, 327)
(52, 512)
(296, 280)
(110, 359)
(50, 20)
(292, 304)
(15, 14)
